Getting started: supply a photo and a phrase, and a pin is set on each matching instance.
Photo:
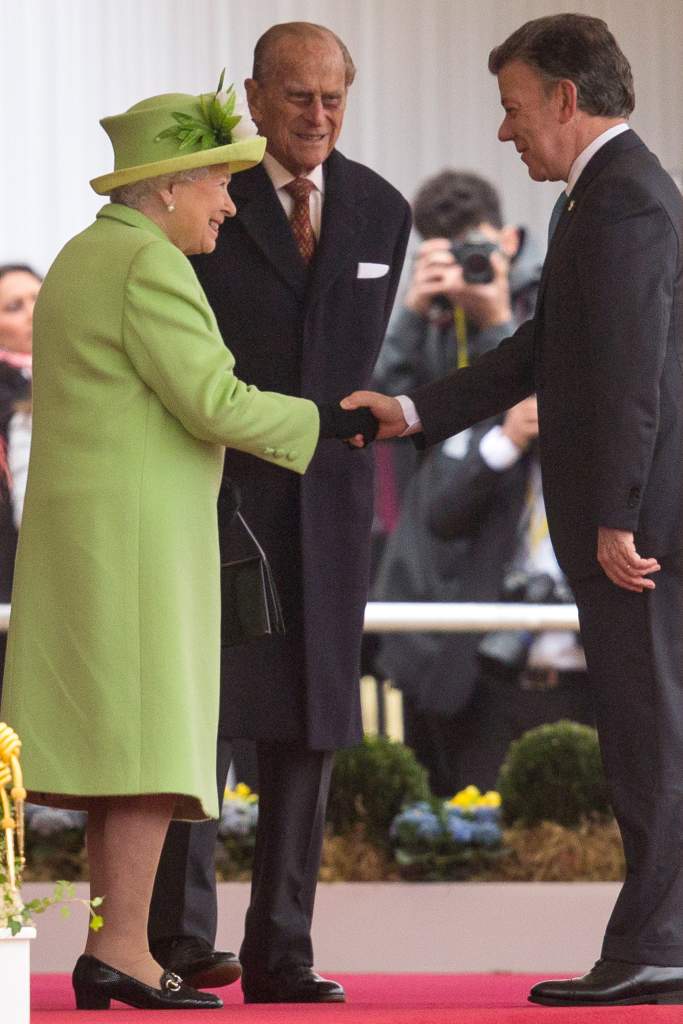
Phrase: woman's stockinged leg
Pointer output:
(125, 836)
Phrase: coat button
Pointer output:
(279, 453)
(268, 451)
(633, 497)
(291, 456)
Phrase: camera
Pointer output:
(505, 652)
(535, 588)
(473, 254)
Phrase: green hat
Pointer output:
(176, 132)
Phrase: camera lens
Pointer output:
(477, 269)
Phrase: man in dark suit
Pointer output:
(302, 286)
(604, 355)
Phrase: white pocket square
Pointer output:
(372, 269)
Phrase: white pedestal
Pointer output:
(15, 975)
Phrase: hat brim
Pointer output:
(240, 155)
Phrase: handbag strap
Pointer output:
(252, 535)
(268, 572)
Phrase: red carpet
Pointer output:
(372, 999)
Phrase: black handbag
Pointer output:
(250, 604)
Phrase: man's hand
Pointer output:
(386, 410)
(621, 562)
(488, 305)
(436, 273)
(521, 423)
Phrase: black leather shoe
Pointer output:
(197, 962)
(295, 984)
(96, 984)
(614, 983)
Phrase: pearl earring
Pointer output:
(170, 207)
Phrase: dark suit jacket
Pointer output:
(314, 333)
(604, 354)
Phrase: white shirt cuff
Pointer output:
(498, 451)
(409, 415)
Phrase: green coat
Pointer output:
(113, 655)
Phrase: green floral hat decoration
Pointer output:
(177, 132)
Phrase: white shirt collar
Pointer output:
(280, 176)
(590, 151)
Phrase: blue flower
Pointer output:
(487, 814)
(459, 829)
(486, 833)
(417, 821)
(238, 818)
(48, 821)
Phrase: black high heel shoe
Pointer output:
(96, 984)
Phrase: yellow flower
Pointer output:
(241, 792)
(490, 799)
(468, 797)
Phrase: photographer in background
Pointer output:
(474, 280)
(472, 523)
(473, 528)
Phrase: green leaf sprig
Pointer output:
(213, 129)
(15, 915)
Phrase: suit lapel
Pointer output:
(260, 213)
(619, 144)
(342, 224)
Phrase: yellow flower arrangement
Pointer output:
(14, 913)
(470, 797)
(241, 792)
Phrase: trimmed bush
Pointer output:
(554, 773)
(370, 785)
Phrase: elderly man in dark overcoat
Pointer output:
(302, 284)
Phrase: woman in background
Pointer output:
(19, 286)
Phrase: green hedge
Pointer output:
(554, 773)
(371, 783)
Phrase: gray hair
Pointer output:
(138, 192)
(580, 48)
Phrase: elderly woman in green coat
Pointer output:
(113, 657)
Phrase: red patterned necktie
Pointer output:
(300, 221)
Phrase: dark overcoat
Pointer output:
(316, 333)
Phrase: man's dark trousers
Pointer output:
(293, 788)
(634, 649)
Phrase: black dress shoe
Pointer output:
(96, 984)
(197, 962)
(614, 983)
(295, 984)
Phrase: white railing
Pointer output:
(382, 703)
(456, 617)
(466, 617)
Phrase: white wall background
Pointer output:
(422, 100)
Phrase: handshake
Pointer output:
(361, 417)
